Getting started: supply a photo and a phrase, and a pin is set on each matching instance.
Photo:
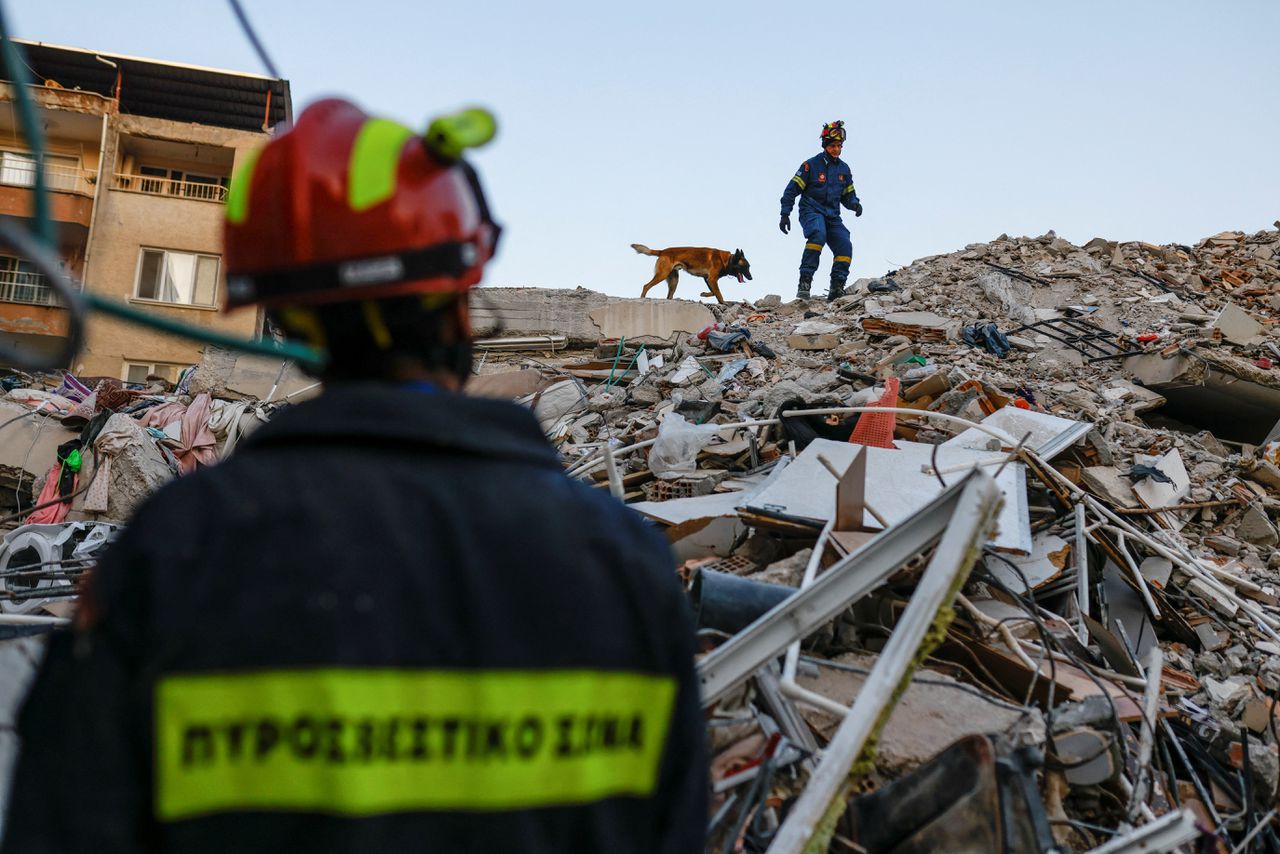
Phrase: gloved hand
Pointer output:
(857, 208)
(784, 225)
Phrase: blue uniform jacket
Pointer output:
(823, 184)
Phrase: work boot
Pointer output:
(802, 290)
(836, 291)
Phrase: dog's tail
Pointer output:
(642, 249)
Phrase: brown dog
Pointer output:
(710, 265)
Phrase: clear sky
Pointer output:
(669, 123)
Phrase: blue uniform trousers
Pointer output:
(820, 230)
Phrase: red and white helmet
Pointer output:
(346, 207)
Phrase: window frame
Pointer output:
(126, 364)
(165, 253)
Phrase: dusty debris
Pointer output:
(1129, 390)
(1092, 431)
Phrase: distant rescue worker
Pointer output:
(389, 622)
(824, 183)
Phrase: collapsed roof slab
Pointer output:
(582, 316)
(1234, 401)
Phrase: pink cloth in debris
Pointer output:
(54, 513)
(199, 447)
(161, 416)
(198, 444)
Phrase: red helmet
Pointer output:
(832, 132)
(347, 207)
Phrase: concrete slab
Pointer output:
(813, 342)
(1109, 484)
(1238, 326)
(646, 318)
(934, 711)
(28, 447)
(1208, 395)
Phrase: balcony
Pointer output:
(25, 287)
(201, 190)
(19, 170)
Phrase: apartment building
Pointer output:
(139, 158)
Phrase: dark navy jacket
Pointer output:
(373, 531)
(823, 185)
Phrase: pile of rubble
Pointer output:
(982, 554)
(1025, 494)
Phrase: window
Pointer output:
(184, 278)
(20, 282)
(137, 372)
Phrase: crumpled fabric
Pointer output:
(54, 513)
(112, 395)
(109, 444)
(728, 339)
(163, 415)
(987, 337)
(198, 445)
(1140, 471)
(231, 421)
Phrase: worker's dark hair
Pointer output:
(379, 340)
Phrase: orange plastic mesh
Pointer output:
(876, 428)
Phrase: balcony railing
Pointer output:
(70, 179)
(19, 286)
(158, 186)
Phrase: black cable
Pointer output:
(253, 38)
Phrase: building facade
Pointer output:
(139, 156)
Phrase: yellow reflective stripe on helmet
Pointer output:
(798, 180)
(365, 742)
(815, 246)
(238, 195)
(375, 158)
(840, 258)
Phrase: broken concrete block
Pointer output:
(1211, 637)
(1109, 484)
(211, 375)
(1265, 473)
(135, 472)
(1255, 527)
(1238, 326)
(813, 342)
(1225, 692)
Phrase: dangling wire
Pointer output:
(253, 38)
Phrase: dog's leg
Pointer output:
(715, 290)
(660, 272)
(672, 281)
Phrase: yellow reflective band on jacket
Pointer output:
(798, 180)
(375, 158)
(844, 258)
(366, 742)
(848, 190)
(238, 195)
(817, 247)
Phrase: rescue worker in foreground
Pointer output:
(389, 622)
(824, 183)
